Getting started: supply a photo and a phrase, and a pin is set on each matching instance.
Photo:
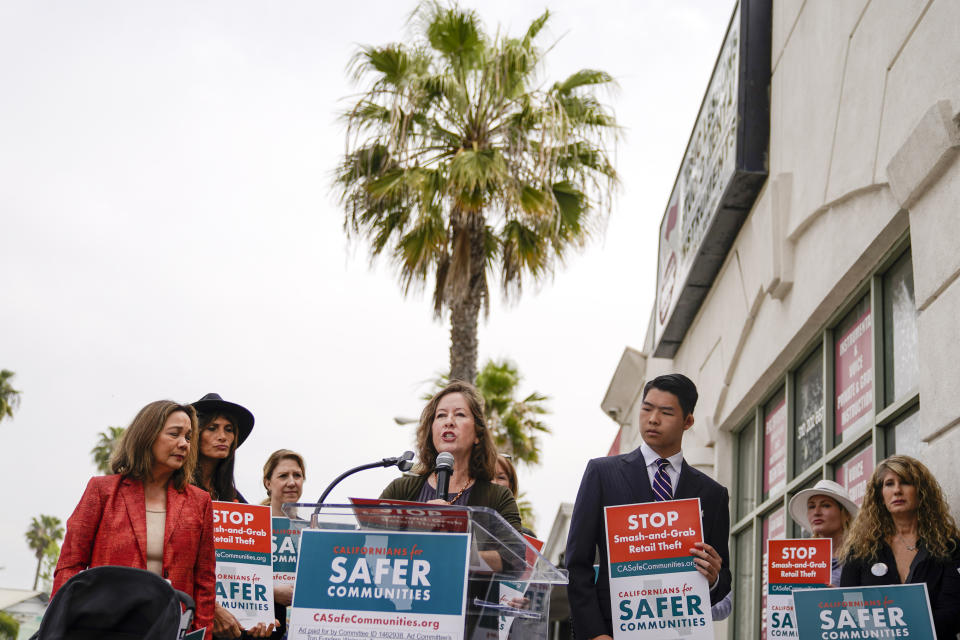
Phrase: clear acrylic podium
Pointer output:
(508, 581)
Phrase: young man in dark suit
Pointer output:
(656, 470)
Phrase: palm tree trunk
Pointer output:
(465, 310)
(36, 576)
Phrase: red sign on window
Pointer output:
(775, 448)
(854, 474)
(854, 373)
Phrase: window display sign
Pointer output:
(722, 171)
(810, 412)
(792, 564)
(775, 448)
(854, 474)
(858, 613)
(656, 591)
(854, 374)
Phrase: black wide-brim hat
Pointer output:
(212, 404)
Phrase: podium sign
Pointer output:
(858, 613)
(380, 584)
(793, 564)
(656, 591)
(241, 537)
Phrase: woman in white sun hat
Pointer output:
(826, 511)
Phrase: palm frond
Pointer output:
(583, 78)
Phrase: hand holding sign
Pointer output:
(707, 560)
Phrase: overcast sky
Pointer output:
(167, 229)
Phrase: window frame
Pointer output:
(835, 449)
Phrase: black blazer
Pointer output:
(940, 576)
(619, 480)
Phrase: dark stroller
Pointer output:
(116, 603)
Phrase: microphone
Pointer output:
(444, 471)
(404, 462)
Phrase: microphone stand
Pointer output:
(404, 463)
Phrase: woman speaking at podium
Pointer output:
(453, 422)
(148, 515)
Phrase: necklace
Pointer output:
(460, 493)
(904, 542)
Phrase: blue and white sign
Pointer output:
(285, 546)
(380, 585)
(858, 613)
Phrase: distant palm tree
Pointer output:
(9, 397)
(43, 533)
(515, 423)
(106, 443)
(9, 627)
(462, 164)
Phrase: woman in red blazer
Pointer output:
(148, 515)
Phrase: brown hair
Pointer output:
(133, 456)
(504, 461)
(274, 460)
(222, 484)
(483, 457)
(874, 524)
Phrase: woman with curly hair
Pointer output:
(904, 533)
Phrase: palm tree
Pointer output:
(513, 423)
(462, 164)
(106, 443)
(9, 627)
(43, 533)
(9, 397)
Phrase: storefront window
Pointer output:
(774, 446)
(808, 413)
(853, 370)
(903, 436)
(901, 362)
(774, 528)
(743, 592)
(854, 472)
(746, 480)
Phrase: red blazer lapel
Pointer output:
(131, 491)
(175, 501)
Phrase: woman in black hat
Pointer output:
(223, 427)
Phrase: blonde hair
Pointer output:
(133, 455)
(483, 456)
(274, 460)
(874, 524)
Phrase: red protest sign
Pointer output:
(653, 530)
(409, 516)
(799, 561)
(242, 527)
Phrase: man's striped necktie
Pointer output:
(662, 489)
